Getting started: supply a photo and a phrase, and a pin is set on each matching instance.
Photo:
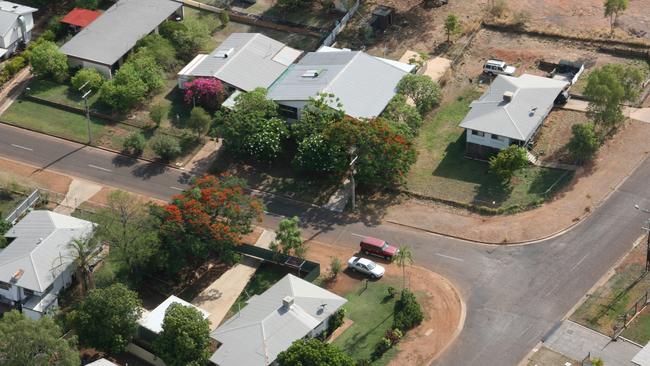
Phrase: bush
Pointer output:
(425, 92)
(166, 147)
(104, 276)
(90, 76)
(398, 111)
(15, 64)
(199, 121)
(407, 312)
(87, 4)
(224, 18)
(134, 143)
(498, 8)
(392, 292)
(584, 142)
(161, 49)
(506, 163)
(157, 112)
(394, 335)
(336, 320)
(382, 346)
(48, 61)
(335, 267)
(521, 19)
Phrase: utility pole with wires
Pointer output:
(647, 228)
(85, 98)
(353, 171)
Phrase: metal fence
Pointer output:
(305, 269)
(626, 318)
(340, 25)
(28, 202)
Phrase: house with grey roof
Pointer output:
(362, 83)
(105, 43)
(244, 61)
(16, 24)
(290, 310)
(510, 112)
(37, 264)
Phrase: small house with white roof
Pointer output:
(16, 24)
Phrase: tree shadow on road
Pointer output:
(146, 171)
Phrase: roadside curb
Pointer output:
(540, 239)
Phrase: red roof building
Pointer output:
(79, 17)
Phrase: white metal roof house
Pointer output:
(244, 61)
(153, 320)
(16, 24)
(510, 112)
(364, 84)
(291, 309)
(37, 263)
(104, 43)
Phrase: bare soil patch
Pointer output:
(551, 143)
(440, 300)
(30, 176)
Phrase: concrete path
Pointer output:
(220, 296)
(202, 161)
(575, 341)
(639, 114)
(340, 198)
(79, 192)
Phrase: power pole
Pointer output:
(647, 228)
(85, 98)
(353, 171)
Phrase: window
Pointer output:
(28, 292)
(496, 137)
(4, 285)
(478, 133)
(288, 112)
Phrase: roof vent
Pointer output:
(223, 53)
(19, 273)
(311, 74)
(507, 96)
(40, 240)
(287, 301)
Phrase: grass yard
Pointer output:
(443, 172)
(604, 307)
(63, 94)
(53, 121)
(372, 312)
(266, 275)
(551, 142)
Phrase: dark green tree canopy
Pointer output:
(185, 337)
(313, 352)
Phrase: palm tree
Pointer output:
(403, 258)
(84, 253)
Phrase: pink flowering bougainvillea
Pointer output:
(205, 92)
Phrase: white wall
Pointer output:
(487, 140)
(11, 294)
(15, 33)
(103, 69)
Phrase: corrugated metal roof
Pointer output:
(253, 60)
(80, 17)
(117, 30)
(643, 357)
(268, 327)
(153, 320)
(363, 83)
(40, 248)
(532, 100)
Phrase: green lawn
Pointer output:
(372, 312)
(62, 93)
(639, 329)
(443, 172)
(265, 276)
(53, 121)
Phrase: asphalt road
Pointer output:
(514, 294)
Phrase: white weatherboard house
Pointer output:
(244, 61)
(510, 112)
(364, 84)
(16, 24)
(105, 43)
(291, 309)
(153, 320)
(37, 263)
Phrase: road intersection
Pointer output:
(514, 294)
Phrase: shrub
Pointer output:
(521, 19)
(425, 92)
(392, 292)
(15, 64)
(382, 346)
(224, 18)
(161, 49)
(104, 276)
(394, 335)
(407, 312)
(48, 61)
(134, 143)
(506, 163)
(199, 121)
(157, 112)
(398, 111)
(498, 8)
(336, 320)
(166, 147)
(584, 142)
(335, 267)
(90, 76)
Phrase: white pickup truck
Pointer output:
(568, 71)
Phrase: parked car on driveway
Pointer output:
(366, 266)
(378, 247)
(498, 67)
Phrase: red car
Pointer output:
(378, 247)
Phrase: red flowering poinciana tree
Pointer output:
(205, 92)
(211, 216)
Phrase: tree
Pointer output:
(134, 143)
(584, 142)
(317, 115)
(291, 4)
(403, 258)
(48, 61)
(24, 341)
(132, 232)
(125, 90)
(107, 318)
(87, 4)
(335, 267)
(207, 92)
(188, 36)
(253, 128)
(148, 71)
(508, 161)
(308, 352)
(84, 253)
(419, 59)
(157, 112)
(160, 48)
(317, 155)
(608, 87)
(91, 78)
(166, 147)
(452, 26)
(199, 121)
(407, 312)
(185, 337)
(612, 10)
(288, 240)
(422, 90)
(211, 216)
(400, 112)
